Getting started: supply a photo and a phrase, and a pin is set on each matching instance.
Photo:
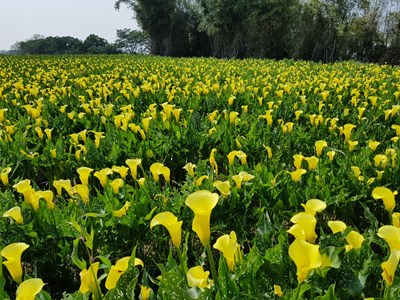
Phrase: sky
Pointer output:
(21, 19)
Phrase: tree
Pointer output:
(132, 41)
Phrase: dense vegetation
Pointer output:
(267, 175)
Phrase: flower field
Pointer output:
(129, 177)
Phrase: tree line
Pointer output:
(319, 30)
(128, 41)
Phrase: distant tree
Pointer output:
(132, 41)
(94, 44)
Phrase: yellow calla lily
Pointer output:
(213, 162)
(306, 257)
(169, 221)
(278, 290)
(202, 203)
(319, 146)
(83, 191)
(391, 235)
(116, 184)
(102, 175)
(224, 187)
(189, 167)
(389, 267)
(89, 281)
(158, 168)
(387, 197)
(313, 206)
(298, 158)
(133, 165)
(200, 180)
(331, 154)
(122, 171)
(122, 211)
(63, 184)
(84, 173)
(197, 277)
(145, 292)
(28, 289)
(307, 222)
(15, 214)
(229, 247)
(312, 162)
(296, 175)
(12, 253)
(118, 269)
(4, 175)
(347, 128)
(48, 196)
(337, 226)
(354, 239)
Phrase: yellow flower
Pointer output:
(319, 146)
(391, 235)
(354, 239)
(189, 167)
(312, 162)
(352, 145)
(15, 214)
(202, 203)
(387, 197)
(331, 155)
(213, 162)
(121, 170)
(133, 165)
(48, 196)
(28, 289)
(313, 206)
(145, 292)
(337, 226)
(169, 221)
(118, 269)
(116, 184)
(381, 160)
(122, 211)
(4, 175)
(298, 158)
(297, 231)
(197, 277)
(229, 247)
(63, 184)
(200, 180)
(224, 187)
(373, 145)
(347, 128)
(84, 173)
(396, 219)
(158, 168)
(278, 290)
(83, 191)
(307, 222)
(306, 257)
(296, 175)
(269, 151)
(389, 267)
(12, 253)
(89, 281)
(102, 175)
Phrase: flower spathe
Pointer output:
(189, 167)
(354, 240)
(133, 165)
(197, 277)
(306, 257)
(84, 173)
(145, 292)
(28, 289)
(229, 247)
(389, 267)
(12, 253)
(118, 269)
(319, 146)
(313, 206)
(224, 187)
(387, 197)
(337, 226)
(89, 280)
(391, 235)
(157, 169)
(202, 203)
(307, 222)
(169, 221)
(122, 211)
(102, 175)
(4, 175)
(296, 175)
(15, 214)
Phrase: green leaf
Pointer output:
(330, 294)
(81, 264)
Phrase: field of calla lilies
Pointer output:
(129, 177)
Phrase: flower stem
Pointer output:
(184, 266)
(387, 292)
(212, 265)
(298, 290)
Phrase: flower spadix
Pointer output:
(12, 253)
(202, 203)
(197, 277)
(229, 247)
(28, 289)
(169, 221)
(387, 197)
(306, 257)
(118, 269)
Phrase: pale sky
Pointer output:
(21, 19)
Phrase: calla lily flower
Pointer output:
(313, 206)
(84, 173)
(189, 167)
(122, 211)
(312, 162)
(116, 184)
(331, 154)
(102, 175)
(229, 247)
(28, 289)
(48, 196)
(296, 175)
(352, 145)
(133, 165)
(297, 231)
(122, 171)
(389, 267)
(307, 222)
(224, 187)
(337, 226)
(200, 180)
(391, 235)
(373, 145)
(63, 184)
(387, 197)
(118, 269)
(202, 203)
(89, 281)
(354, 239)
(169, 221)
(319, 146)
(239, 154)
(12, 253)
(158, 168)
(396, 219)
(4, 175)
(278, 290)
(306, 257)
(15, 214)
(83, 191)
(213, 162)
(197, 277)
(298, 158)
(347, 128)
(145, 292)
